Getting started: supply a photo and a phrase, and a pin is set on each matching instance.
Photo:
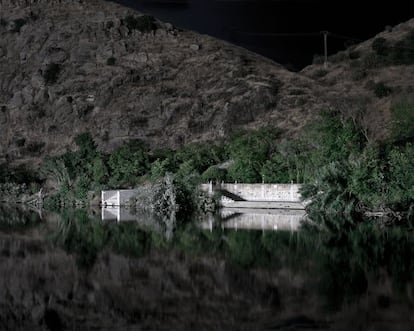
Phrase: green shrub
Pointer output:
(354, 55)
(359, 74)
(87, 146)
(82, 185)
(250, 150)
(380, 46)
(109, 25)
(400, 53)
(18, 24)
(99, 170)
(144, 23)
(320, 73)
(35, 148)
(128, 163)
(277, 170)
(51, 73)
(381, 90)
(159, 168)
(403, 51)
(318, 59)
(338, 57)
(214, 174)
(110, 61)
(401, 177)
(402, 114)
(371, 60)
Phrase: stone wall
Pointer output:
(258, 192)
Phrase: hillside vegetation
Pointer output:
(100, 96)
(73, 66)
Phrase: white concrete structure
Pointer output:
(257, 195)
(117, 197)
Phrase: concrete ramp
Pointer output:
(265, 196)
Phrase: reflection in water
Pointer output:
(74, 271)
(228, 218)
(262, 219)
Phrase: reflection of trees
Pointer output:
(15, 218)
(340, 263)
(85, 237)
(348, 260)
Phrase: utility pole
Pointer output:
(325, 44)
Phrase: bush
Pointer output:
(380, 46)
(403, 51)
(338, 57)
(401, 177)
(402, 114)
(144, 23)
(214, 174)
(318, 59)
(354, 55)
(276, 170)
(400, 53)
(159, 168)
(381, 90)
(109, 25)
(18, 23)
(111, 61)
(250, 150)
(371, 60)
(128, 163)
(359, 74)
(86, 144)
(320, 73)
(35, 148)
(51, 73)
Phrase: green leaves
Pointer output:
(128, 163)
(402, 126)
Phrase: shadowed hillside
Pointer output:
(73, 66)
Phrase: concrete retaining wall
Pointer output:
(264, 192)
(258, 192)
(117, 197)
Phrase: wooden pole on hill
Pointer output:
(325, 45)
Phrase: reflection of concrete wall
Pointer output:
(262, 219)
(118, 213)
(257, 219)
(117, 197)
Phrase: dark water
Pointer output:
(287, 31)
(74, 271)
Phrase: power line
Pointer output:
(278, 34)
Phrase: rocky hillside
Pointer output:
(368, 79)
(70, 66)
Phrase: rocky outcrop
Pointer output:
(74, 66)
(70, 66)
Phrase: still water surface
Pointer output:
(71, 270)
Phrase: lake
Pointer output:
(262, 270)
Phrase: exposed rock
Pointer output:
(194, 47)
(153, 83)
(154, 88)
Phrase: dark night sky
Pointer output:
(287, 31)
